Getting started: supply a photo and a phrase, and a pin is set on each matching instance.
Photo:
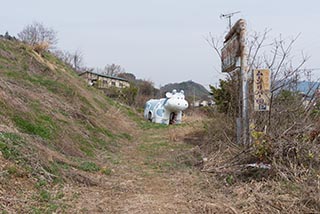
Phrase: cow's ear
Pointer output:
(168, 95)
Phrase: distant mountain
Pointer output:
(190, 89)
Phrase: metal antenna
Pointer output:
(228, 16)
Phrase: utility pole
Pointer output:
(228, 16)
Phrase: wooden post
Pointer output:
(245, 83)
(235, 48)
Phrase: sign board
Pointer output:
(261, 89)
(230, 54)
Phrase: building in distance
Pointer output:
(103, 81)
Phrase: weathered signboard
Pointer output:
(261, 89)
(230, 54)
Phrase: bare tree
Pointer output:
(74, 60)
(36, 34)
(128, 76)
(113, 70)
(65, 56)
(287, 69)
(77, 59)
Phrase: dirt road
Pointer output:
(152, 174)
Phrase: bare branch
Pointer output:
(215, 43)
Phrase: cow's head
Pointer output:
(175, 101)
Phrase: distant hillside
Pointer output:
(190, 89)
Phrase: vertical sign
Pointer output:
(261, 89)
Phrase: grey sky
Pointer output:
(162, 41)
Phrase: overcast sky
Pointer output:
(162, 40)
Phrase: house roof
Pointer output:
(104, 75)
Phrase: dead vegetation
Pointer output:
(277, 173)
(278, 170)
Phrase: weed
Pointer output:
(106, 171)
(76, 195)
(97, 130)
(35, 105)
(153, 148)
(229, 179)
(44, 196)
(13, 75)
(44, 127)
(87, 148)
(115, 161)
(8, 144)
(52, 208)
(59, 195)
(160, 166)
(113, 158)
(89, 167)
(36, 210)
(8, 151)
(85, 101)
(125, 136)
(110, 101)
(12, 170)
(62, 165)
(3, 107)
(101, 104)
(148, 125)
(54, 168)
(53, 86)
(25, 66)
(102, 144)
(41, 183)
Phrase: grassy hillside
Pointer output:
(53, 127)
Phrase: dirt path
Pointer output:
(152, 174)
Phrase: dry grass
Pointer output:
(41, 47)
(291, 185)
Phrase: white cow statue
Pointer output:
(166, 110)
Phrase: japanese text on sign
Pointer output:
(261, 89)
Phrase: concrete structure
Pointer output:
(104, 81)
(166, 110)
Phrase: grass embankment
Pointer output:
(53, 127)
